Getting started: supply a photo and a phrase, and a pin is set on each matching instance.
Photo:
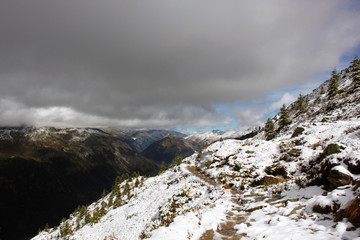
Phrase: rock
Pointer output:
(297, 132)
(322, 209)
(285, 157)
(269, 180)
(339, 176)
(295, 152)
(353, 165)
(351, 212)
(277, 170)
(331, 149)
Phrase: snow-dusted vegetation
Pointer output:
(301, 184)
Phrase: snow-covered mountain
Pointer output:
(302, 184)
(46, 172)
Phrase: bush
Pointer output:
(269, 129)
(297, 132)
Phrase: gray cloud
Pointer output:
(160, 62)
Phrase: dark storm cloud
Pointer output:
(160, 62)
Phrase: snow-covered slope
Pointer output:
(303, 184)
(210, 136)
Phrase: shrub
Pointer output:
(269, 129)
(297, 132)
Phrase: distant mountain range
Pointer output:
(45, 167)
(170, 147)
(139, 140)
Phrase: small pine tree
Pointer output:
(82, 211)
(46, 228)
(126, 188)
(137, 182)
(333, 84)
(66, 229)
(284, 117)
(269, 129)
(103, 209)
(110, 203)
(96, 215)
(162, 167)
(87, 217)
(301, 104)
(104, 193)
(355, 72)
(117, 180)
(177, 161)
(136, 174)
(118, 202)
(322, 91)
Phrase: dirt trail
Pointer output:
(227, 229)
(195, 171)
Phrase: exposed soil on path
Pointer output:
(226, 230)
(203, 177)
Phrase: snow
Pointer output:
(179, 204)
(342, 170)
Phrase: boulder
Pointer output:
(331, 149)
(339, 176)
(351, 212)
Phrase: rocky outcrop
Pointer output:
(339, 176)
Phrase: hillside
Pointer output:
(47, 172)
(168, 148)
(139, 140)
(303, 183)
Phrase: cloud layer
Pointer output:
(161, 63)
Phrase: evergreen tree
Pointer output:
(333, 84)
(284, 117)
(46, 228)
(162, 167)
(118, 202)
(104, 193)
(110, 203)
(65, 228)
(177, 161)
(87, 217)
(355, 72)
(269, 129)
(301, 104)
(137, 182)
(136, 174)
(117, 180)
(322, 91)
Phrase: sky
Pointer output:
(166, 63)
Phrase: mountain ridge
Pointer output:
(47, 167)
(304, 183)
